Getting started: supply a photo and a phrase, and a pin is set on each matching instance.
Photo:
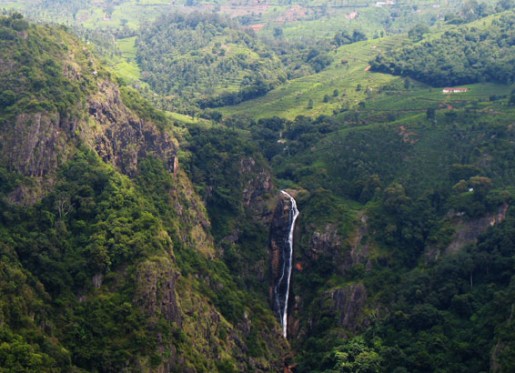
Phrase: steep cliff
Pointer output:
(103, 232)
(282, 232)
(279, 229)
(236, 185)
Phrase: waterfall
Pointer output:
(282, 287)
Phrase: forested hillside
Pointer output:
(108, 262)
(395, 276)
(207, 59)
(134, 239)
(484, 52)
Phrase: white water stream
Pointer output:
(287, 267)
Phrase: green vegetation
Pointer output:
(347, 73)
(39, 80)
(101, 272)
(78, 231)
(223, 163)
(404, 248)
(206, 59)
(408, 177)
(461, 56)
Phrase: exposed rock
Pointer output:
(257, 186)
(294, 325)
(345, 304)
(123, 138)
(36, 143)
(194, 225)
(97, 280)
(468, 231)
(325, 243)
(360, 246)
(349, 302)
(155, 289)
(344, 254)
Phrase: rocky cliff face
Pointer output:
(37, 144)
(191, 328)
(467, 231)
(63, 99)
(326, 242)
(345, 304)
(122, 138)
(349, 303)
(257, 186)
(279, 247)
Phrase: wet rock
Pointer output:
(279, 230)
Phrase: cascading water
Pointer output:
(282, 287)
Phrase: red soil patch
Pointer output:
(256, 27)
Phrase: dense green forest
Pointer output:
(207, 59)
(134, 239)
(482, 53)
(416, 201)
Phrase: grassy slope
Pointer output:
(291, 99)
(386, 93)
(299, 20)
(125, 66)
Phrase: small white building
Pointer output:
(455, 90)
(386, 2)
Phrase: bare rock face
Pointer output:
(123, 137)
(257, 185)
(344, 254)
(360, 246)
(467, 231)
(155, 290)
(325, 242)
(348, 304)
(345, 304)
(36, 144)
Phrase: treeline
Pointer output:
(343, 37)
(278, 138)
(206, 58)
(462, 56)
